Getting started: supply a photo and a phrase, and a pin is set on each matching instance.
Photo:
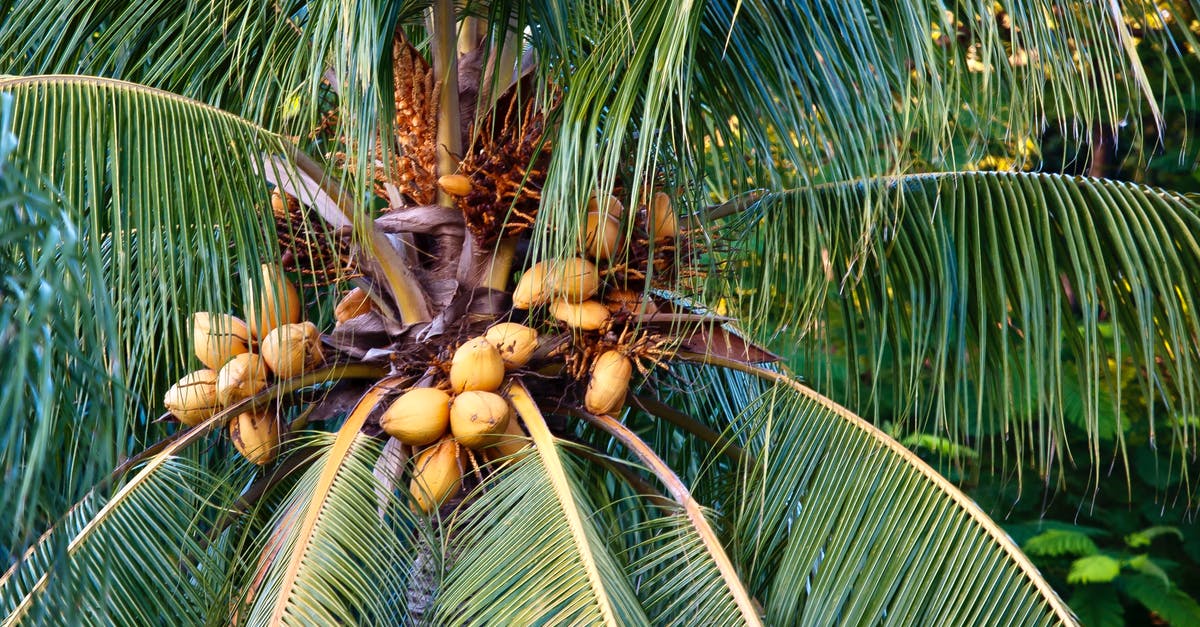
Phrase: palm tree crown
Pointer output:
(654, 193)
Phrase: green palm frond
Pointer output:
(55, 361)
(526, 550)
(132, 558)
(160, 192)
(513, 557)
(982, 295)
(336, 553)
(264, 62)
(836, 522)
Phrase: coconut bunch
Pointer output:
(465, 413)
(242, 358)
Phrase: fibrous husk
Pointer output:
(476, 365)
(292, 349)
(437, 474)
(244, 376)
(515, 342)
(629, 302)
(216, 337)
(194, 398)
(255, 434)
(609, 383)
(418, 417)
(589, 315)
(277, 304)
(477, 418)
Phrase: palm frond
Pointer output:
(982, 294)
(717, 98)
(55, 365)
(168, 213)
(332, 557)
(837, 522)
(526, 551)
(134, 557)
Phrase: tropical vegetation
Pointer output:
(798, 274)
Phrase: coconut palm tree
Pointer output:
(659, 191)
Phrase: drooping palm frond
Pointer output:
(133, 558)
(158, 539)
(264, 62)
(763, 94)
(526, 551)
(977, 289)
(162, 196)
(55, 361)
(336, 553)
(834, 522)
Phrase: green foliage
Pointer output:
(1094, 569)
(1058, 542)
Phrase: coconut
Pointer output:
(477, 418)
(418, 417)
(194, 398)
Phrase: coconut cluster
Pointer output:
(241, 358)
(466, 412)
(575, 294)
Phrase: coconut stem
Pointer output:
(449, 131)
(407, 291)
(500, 267)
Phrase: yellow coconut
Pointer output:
(573, 280)
(277, 304)
(244, 376)
(455, 184)
(255, 434)
(476, 365)
(419, 417)
(515, 342)
(601, 233)
(216, 337)
(292, 349)
(531, 290)
(437, 474)
(610, 381)
(587, 316)
(512, 442)
(355, 303)
(663, 224)
(477, 418)
(194, 398)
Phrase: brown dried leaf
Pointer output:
(714, 339)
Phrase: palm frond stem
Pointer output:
(659, 409)
(639, 485)
(347, 436)
(962, 500)
(544, 441)
(681, 494)
(406, 289)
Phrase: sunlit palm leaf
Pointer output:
(785, 94)
(966, 293)
(332, 557)
(526, 551)
(167, 206)
(135, 559)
